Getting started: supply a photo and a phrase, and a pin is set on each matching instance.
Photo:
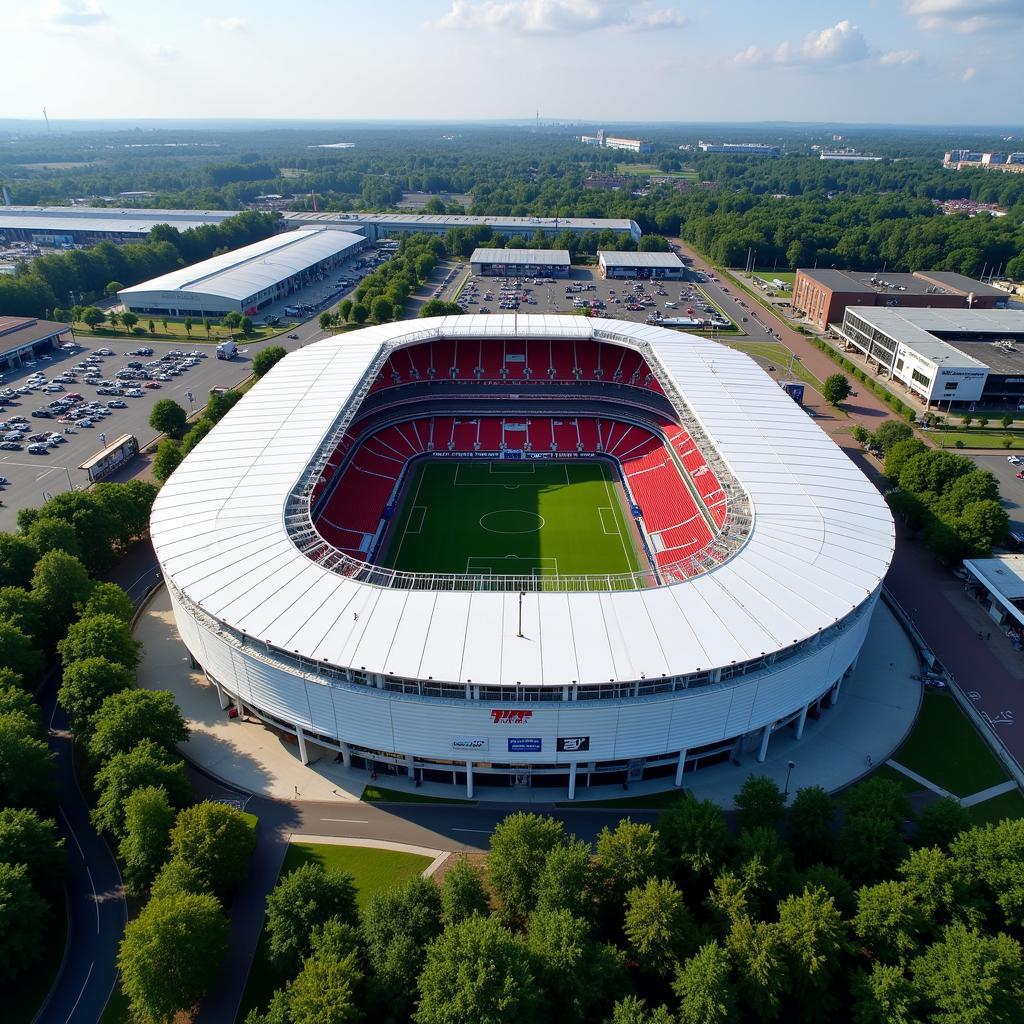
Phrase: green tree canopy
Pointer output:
(519, 846)
(658, 926)
(890, 433)
(168, 418)
(100, 636)
(18, 653)
(695, 837)
(109, 599)
(809, 826)
(264, 361)
(566, 879)
(836, 389)
(463, 892)
(148, 819)
(704, 987)
(27, 839)
(23, 917)
(218, 841)
(17, 560)
(127, 717)
(60, 582)
(86, 684)
(760, 803)
(167, 459)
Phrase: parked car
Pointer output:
(10, 446)
(86, 422)
(39, 449)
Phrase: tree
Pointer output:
(632, 1010)
(658, 926)
(151, 327)
(23, 918)
(878, 797)
(462, 892)
(1006, 420)
(127, 717)
(301, 900)
(625, 857)
(358, 313)
(326, 320)
(326, 991)
(86, 684)
(760, 803)
(969, 976)
(26, 769)
(438, 307)
(995, 856)
(92, 317)
(148, 819)
(17, 560)
(263, 362)
(565, 880)
(246, 326)
(27, 839)
(171, 954)
(941, 822)
(51, 534)
(207, 325)
(345, 309)
(809, 826)
(218, 841)
(146, 764)
(114, 319)
(220, 405)
(231, 319)
(112, 288)
(60, 582)
(382, 309)
(188, 326)
(15, 700)
(704, 987)
(129, 320)
(888, 921)
(519, 846)
(109, 599)
(101, 636)
(477, 973)
(900, 454)
(836, 389)
(758, 954)
(869, 848)
(890, 433)
(885, 996)
(167, 459)
(168, 418)
(695, 837)
(18, 653)
(933, 471)
(982, 525)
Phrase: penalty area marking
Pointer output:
(417, 514)
(614, 531)
(511, 467)
(510, 565)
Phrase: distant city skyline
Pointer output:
(859, 61)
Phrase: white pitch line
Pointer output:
(348, 821)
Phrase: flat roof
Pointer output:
(56, 219)
(244, 272)
(921, 282)
(614, 258)
(1003, 577)
(453, 220)
(16, 331)
(532, 257)
(820, 543)
(918, 329)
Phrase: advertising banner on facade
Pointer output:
(524, 744)
(573, 744)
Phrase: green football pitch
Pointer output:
(497, 517)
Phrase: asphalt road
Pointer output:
(1011, 489)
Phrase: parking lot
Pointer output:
(31, 478)
(586, 291)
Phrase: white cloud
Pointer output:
(842, 43)
(163, 54)
(899, 58)
(969, 73)
(556, 17)
(227, 24)
(966, 16)
(75, 13)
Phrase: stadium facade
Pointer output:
(766, 552)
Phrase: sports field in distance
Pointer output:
(497, 517)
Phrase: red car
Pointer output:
(151, 384)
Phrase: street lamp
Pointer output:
(790, 765)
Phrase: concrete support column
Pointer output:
(835, 691)
(346, 755)
(469, 779)
(802, 721)
(303, 755)
(680, 767)
(766, 735)
(222, 697)
(572, 780)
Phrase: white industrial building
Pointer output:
(612, 263)
(245, 280)
(521, 262)
(66, 225)
(448, 679)
(738, 148)
(943, 356)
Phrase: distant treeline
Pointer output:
(78, 277)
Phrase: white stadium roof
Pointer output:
(55, 219)
(245, 272)
(410, 221)
(614, 258)
(821, 541)
(530, 257)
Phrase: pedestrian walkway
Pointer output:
(875, 711)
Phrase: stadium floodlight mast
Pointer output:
(522, 594)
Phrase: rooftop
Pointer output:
(16, 331)
(55, 219)
(245, 272)
(452, 220)
(614, 258)
(533, 257)
(921, 282)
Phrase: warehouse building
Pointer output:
(85, 225)
(521, 262)
(944, 357)
(246, 280)
(823, 295)
(23, 338)
(660, 265)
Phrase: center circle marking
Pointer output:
(512, 521)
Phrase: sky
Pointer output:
(844, 61)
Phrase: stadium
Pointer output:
(545, 551)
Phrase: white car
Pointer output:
(1015, 459)
(134, 393)
(83, 423)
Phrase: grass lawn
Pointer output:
(1009, 805)
(687, 173)
(176, 332)
(655, 801)
(777, 355)
(789, 276)
(534, 518)
(945, 748)
(906, 784)
(22, 999)
(379, 794)
(373, 871)
(987, 438)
